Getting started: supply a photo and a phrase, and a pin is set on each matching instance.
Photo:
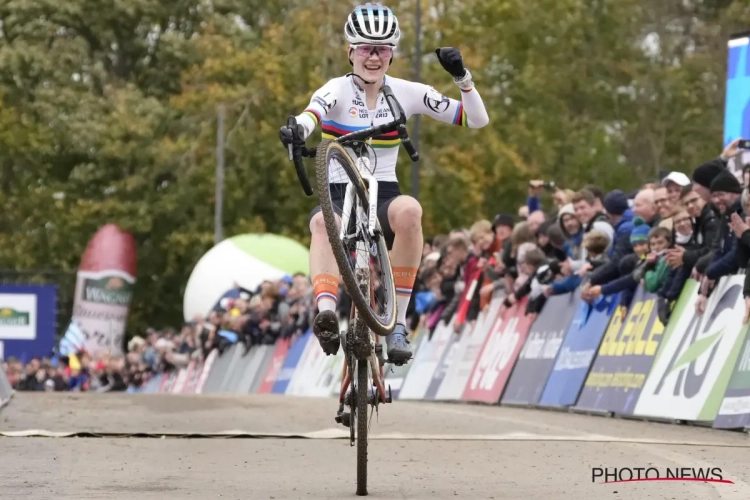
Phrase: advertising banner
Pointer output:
(577, 351)
(207, 368)
(104, 289)
(274, 366)
(448, 357)
(264, 366)
(252, 362)
(28, 314)
(538, 355)
(5, 389)
(218, 371)
(424, 364)
(693, 367)
(296, 349)
(467, 353)
(495, 362)
(734, 412)
(306, 373)
(625, 357)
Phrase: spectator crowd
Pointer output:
(274, 310)
(595, 242)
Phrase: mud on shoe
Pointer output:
(397, 344)
(326, 329)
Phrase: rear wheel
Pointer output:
(363, 393)
(334, 167)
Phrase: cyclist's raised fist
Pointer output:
(451, 60)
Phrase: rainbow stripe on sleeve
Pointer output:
(460, 117)
(312, 114)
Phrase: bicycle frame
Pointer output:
(362, 272)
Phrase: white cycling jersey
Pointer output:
(340, 107)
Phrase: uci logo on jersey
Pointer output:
(359, 103)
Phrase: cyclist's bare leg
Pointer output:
(325, 279)
(405, 219)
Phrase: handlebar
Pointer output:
(296, 153)
(298, 150)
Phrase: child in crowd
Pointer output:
(631, 267)
(650, 268)
(659, 240)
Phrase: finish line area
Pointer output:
(120, 446)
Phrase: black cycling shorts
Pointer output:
(387, 192)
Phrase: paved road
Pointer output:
(418, 451)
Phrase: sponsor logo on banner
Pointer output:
(500, 351)
(467, 353)
(101, 308)
(17, 316)
(625, 357)
(538, 355)
(734, 412)
(693, 367)
(577, 351)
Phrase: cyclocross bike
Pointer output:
(362, 257)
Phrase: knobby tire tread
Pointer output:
(347, 274)
(363, 392)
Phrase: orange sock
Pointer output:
(326, 291)
(404, 280)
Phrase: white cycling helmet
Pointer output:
(372, 24)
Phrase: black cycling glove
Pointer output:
(450, 59)
(287, 137)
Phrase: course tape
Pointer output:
(336, 433)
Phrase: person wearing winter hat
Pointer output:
(704, 174)
(725, 196)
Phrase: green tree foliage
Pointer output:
(108, 113)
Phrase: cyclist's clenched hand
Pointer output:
(451, 60)
(286, 135)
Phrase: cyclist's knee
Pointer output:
(318, 225)
(405, 214)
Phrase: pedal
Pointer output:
(379, 354)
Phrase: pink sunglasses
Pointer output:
(367, 50)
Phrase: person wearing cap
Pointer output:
(725, 196)
(673, 183)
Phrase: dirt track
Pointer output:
(418, 451)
